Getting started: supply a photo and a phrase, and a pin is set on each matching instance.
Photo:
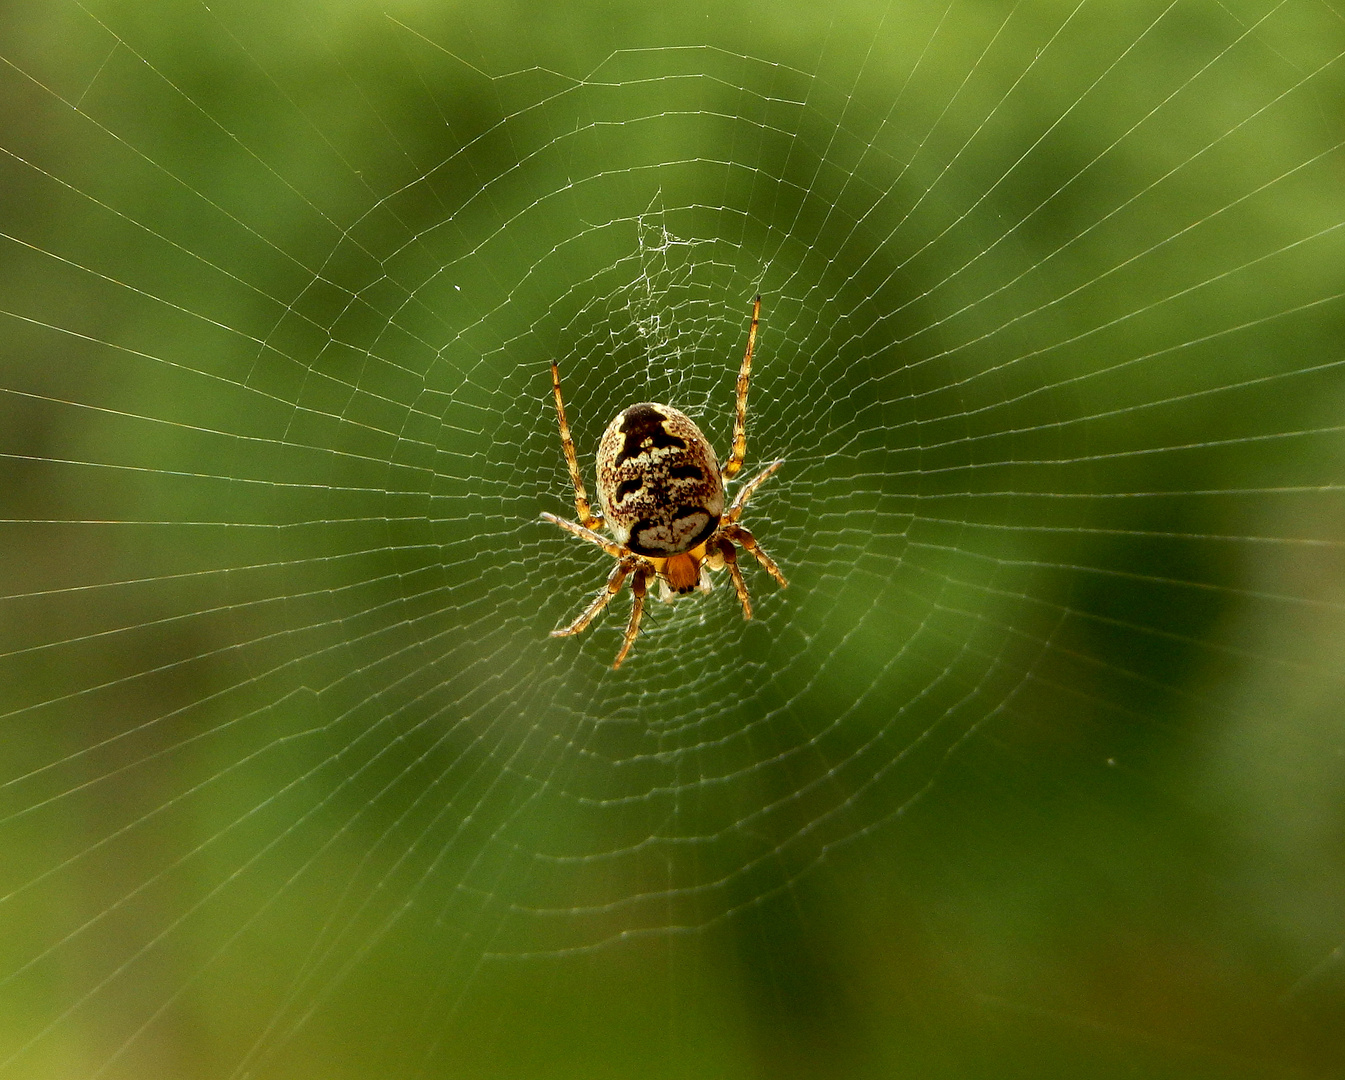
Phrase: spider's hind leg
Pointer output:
(588, 517)
(739, 450)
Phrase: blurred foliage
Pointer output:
(1036, 769)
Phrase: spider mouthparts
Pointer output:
(681, 572)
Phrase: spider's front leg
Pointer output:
(613, 586)
(639, 586)
(729, 554)
(748, 541)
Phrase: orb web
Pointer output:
(1046, 348)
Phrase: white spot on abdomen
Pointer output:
(675, 537)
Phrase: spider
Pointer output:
(662, 496)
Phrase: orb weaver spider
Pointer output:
(662, 496)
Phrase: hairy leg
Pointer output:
(638, 586)
(749, 542)
(613, 586)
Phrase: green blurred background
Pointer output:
(1036, 769)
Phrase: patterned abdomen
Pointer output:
(658, 481)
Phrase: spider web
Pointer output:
(1035, 765)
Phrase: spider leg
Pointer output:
(613, 549)
(730, 556)
(613, 586)
(638, 585)
(747, 490)
(749, 542)
(582, 509)
(739, 452)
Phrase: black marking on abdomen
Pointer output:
(710, 525)
(665, 528)
(686, 472)
(644, 423)
(628, 487)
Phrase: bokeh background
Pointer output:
(1037, 768)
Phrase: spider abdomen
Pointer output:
(659, 482)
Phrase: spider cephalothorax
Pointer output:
(662, 496)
